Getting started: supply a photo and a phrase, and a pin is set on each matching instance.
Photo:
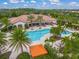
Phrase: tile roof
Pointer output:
(24, 18)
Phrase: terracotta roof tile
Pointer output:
(24, 18)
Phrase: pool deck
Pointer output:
(42, 40)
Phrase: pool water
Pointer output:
(65, 33)
(36, 35)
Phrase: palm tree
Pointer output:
(56, 31)
(5, 22)
(71, 47)
(40, 19)
(30, 17)
(2, 41)
(75, 35)
(19, 40)
(52, 53)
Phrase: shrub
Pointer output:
(24, 55)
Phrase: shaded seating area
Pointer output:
(38, 23)
(37, 50)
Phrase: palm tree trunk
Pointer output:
(0, 51)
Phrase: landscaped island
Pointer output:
(39, 34)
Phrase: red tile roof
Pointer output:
(24, 18)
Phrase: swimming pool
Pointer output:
(36, 35)
(65, 33)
